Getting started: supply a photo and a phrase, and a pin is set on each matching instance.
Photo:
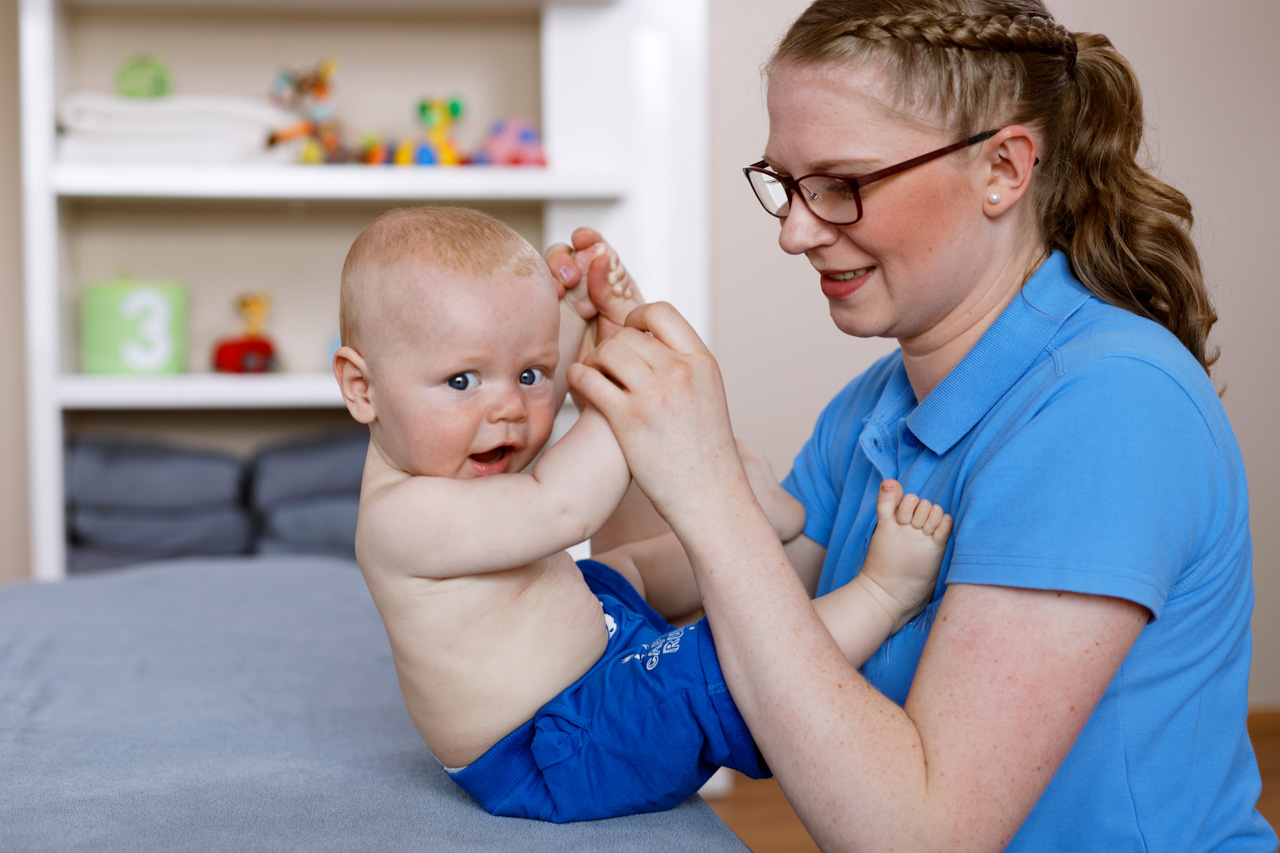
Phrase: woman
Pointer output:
(1080, 680)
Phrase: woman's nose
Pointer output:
(802, 231)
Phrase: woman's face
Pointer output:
(913, 267)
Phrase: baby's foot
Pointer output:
(907, 547)
(612, 289)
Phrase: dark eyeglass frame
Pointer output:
(853, 182)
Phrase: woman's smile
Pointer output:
(841, 284)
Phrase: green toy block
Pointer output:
(134, 327)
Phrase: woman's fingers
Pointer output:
(666, 406)
(665, 323)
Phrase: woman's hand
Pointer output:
(661, 390)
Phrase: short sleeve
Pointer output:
(814, 475)
(1104, 486)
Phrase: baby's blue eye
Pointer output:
(463, 381)
(532, 376)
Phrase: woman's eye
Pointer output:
(532, 376)
(837, 190)
(463, 381)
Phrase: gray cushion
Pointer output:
(82, 559)
(143, 476)
(304, 469)
(208, 530)
(274, 545)
(318, 521)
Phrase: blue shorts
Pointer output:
(640, 732)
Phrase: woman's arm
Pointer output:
(1007, 680)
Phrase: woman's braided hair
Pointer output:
(978, 64)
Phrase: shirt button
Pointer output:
(909, 438)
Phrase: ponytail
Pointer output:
(1000, 62)
(1126, 232)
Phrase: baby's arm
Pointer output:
(897, 579)
(784, 512)
(577, 316)
(439, 527)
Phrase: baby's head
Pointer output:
(450, 339)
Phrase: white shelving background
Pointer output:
(624, 106)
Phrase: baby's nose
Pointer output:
(508, 406)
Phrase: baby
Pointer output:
(548, 689)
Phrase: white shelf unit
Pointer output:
(622, 102)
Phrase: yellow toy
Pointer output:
(437, 116)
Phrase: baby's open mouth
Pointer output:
(491, 456)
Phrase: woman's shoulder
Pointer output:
(1114, 345)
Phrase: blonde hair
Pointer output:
(979, 64)
(456, 238)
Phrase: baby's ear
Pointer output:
(353, 380)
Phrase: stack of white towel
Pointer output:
(182, 129)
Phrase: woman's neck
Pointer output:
(931, 356)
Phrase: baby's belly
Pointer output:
(478, 660)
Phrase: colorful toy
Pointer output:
(437, 116)
(311, 96)
(143, 77)
(375, 151)
(511, 142)
(252, 352)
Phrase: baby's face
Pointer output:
(463, 386)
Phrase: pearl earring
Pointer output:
(994, 198)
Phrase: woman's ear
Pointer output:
(1011, 159)
(353, 379)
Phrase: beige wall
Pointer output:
(1209, 81)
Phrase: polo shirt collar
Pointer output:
(1001, 357)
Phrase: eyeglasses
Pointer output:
(833, 198)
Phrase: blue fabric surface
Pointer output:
(1079, 448)
(240, 704)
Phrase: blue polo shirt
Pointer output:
(1079, 447)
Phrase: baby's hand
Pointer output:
(906, 549)
(785, 513)
(579, 296)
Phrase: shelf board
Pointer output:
(200, 391)
(349, 183)
(312, 6)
